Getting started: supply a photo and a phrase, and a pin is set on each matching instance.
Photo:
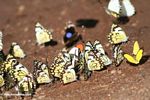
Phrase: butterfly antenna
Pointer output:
(83, 32)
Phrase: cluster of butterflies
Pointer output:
(13, 73)
(71, 64)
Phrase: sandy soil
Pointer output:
(126, 82)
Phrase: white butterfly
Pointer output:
(121, 8)
(101, 53)
(42, 35)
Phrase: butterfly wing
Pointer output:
(117, 55)
(127, 9)
(58, 67)
(98, 47)
(139, 55)
(88, 46)
(20, 74)
(136, 48)
(42, 35)
(130, 59)
(69, 76)
(105, 59)
(43, 78)
(93, 62)
(2, 81)
(41, 72)
(113, 10)
(117, 35)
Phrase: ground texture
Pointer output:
(126, 82)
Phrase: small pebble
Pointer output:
(113, 72)
(119, 71)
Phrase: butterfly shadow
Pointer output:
(87, 23)
(51, 43)
(122, 20)
(104, 68)
(144, 59)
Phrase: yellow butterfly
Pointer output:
(137, 52)
(117, 35)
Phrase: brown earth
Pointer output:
(126, 82)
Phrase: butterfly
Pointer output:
(41, 72)
(117, 35)
(17, 70)
(93, 62)
(69, 76)
(70, 35)
(101, 53)
(117, 55)
(98, 51)
(64, 65)
(26, 85)
(123, 8)
(42, 35)
(59, 64)
(137, 54)
(15, 51)
(13, 72)
(80, 67)
(74, 53)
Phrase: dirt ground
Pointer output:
(126, 82)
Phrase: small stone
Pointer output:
(119, 71)
(107, 44)
(113, 72)
(26, 29)
(21, 9)
(38, 89)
